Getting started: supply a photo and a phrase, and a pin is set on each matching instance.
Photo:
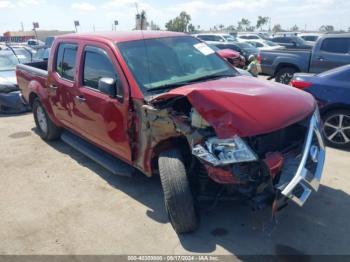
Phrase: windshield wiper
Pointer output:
(199, 79)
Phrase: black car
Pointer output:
(245, 49)
(292, 42)
(10, 96)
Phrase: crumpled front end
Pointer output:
(245, 140)
(268, 168)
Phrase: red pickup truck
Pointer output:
(165, 103)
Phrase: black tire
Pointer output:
(52, 132)
(285, 75)
(178, 198)
(332, 118)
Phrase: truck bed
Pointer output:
(33, 75)
(272, 59)
(35, 67)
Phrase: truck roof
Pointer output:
(340, 35)
(121, 36)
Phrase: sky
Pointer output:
(99, 14)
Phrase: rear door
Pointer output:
(102, 119)
(333, 52)
(62, 88)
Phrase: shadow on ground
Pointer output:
(320, 227)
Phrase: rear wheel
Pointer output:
(336, 128)
(177, 193)
(46, 128)
(285, 75)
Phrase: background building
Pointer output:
(23, 36)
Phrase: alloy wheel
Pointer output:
(41, 116)
(286, 78)
(337, 129)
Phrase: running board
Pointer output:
(106, 160)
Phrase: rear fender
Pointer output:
(37, 90)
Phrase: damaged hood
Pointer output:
(245, 106)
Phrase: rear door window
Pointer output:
(336, 45)
(66, 60)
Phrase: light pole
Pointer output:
(35, 26)
(115, 24)
(76, 24)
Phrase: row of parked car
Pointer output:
(12, 54)
(290, 59)
(329, 51)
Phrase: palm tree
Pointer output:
(143, 19)
(262, 20)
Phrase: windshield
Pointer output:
(229, 37)
(8, 62)
(166, 63)
(270, 43)
(248, 47)
(23, 55)
(299, 41)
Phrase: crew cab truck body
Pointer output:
(330, 51)
(165, 103)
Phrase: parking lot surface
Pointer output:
(56, 201)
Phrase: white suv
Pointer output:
(215, 37)
(252, 36)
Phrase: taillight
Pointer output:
(259, 58)
(300, 84)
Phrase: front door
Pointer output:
(101, 118)
(334, 52)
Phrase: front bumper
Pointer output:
(309, 171)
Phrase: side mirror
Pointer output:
(294, 44)
(107, 86)
(110, 87)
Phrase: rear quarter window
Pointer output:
(336, 45)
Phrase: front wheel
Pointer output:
(177, 193)
(336, 128)
(46, 128)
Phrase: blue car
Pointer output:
(332, 91)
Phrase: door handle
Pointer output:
(53, 87)
(320, 58)
(81, 99)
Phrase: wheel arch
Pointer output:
(178, 142)
(280, 66)
(32, 97)
(333, 107)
